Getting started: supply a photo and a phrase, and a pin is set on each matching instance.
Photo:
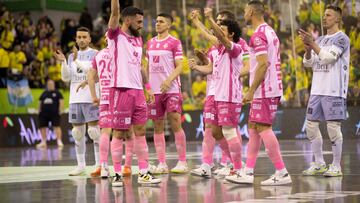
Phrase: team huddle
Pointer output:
(114, 93)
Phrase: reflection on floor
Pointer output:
(31, 175)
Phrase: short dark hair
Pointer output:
(165, 15)
(258, 6)
(229, 15)
(233, 27)
(131, 11)
(335, 8)
(83, 29)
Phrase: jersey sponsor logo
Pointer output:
(156, 59)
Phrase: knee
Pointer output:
(175, 123)
(217, 133)
(78, 132)
(312, 130)
(159, 126)
(94, 132)
(334, 130)
(229, 132)
(139, 130)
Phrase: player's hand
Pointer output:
(149, 96)
(96, 101)
(165, 86)
(208, 12)
(248, 97)
(59, 55)
(81, 85)
(201, 56)
(192, 64)
(194, 15)
(306, 37)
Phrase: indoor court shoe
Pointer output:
(181, 167)
(240, 177)
(117, 181)
(162, 168)
(278, 179)
(104, 172)
(225, 171)
(147, 178)
(41, 145)
(60, 144)
(96, 173)
(126, 171)
(333, 171)
(203, 171)
(78, 171)
(315, 169)
(216, 171)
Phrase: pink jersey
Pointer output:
(103, 64)
(226, 71)
(127, 53)
(210, 85)
(161, 56)
(265, 41)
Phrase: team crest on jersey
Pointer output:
(157, 45)
(166, 45)
(257, 41)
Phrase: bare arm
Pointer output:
(61, 106)
(205, 69)
(65, 70)
(260, 71)
(194, 17)
(92, 76)
(217, 30)
(245, 70)
(114, 15)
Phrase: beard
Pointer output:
(134, 31)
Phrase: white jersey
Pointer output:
(331, 79)
(78, 73)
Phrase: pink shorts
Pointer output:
(263, 110)
(227, 113)
(128, 107)
(169, 102)
(105, 117)
(209, 110)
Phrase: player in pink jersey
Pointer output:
(128, 102)
(264, 94)
(209, 138)
(164, 56)
(226, 68)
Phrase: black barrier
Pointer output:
(22, 130)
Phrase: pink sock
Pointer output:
(180, 141)
(104, 145)
(272, 148)
(253, 148)
(224, 158)
(160, 146)
(142, 152)
(224, 147)
(129, 150)
(116, 153)
(235, 152)
(208, 145)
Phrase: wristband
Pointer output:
(147, 86)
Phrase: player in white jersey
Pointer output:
(128, 102)
(164, 56)
(264, 94)
(81, 110)
(329, 58)
(226, 67)
(210, 137)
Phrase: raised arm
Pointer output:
(219, 34)
(194, 17)
(114, 15)
(65, 70)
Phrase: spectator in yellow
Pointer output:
(17, 60)
(7, 37)
(198, 86)
(317, 7)
(302, 82)
(303, 14)
(54, 72)
(4, 65)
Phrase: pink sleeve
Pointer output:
(177, 50)
(259, 43)
(235, 50)
(112, 33)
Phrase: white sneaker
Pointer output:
(278, 179)
(78, 171)
(41, 145)
(216, 171)
(225, 171)
(147, 178)
(181, 167)
(105, 173)
(162, 168)
(60, 144)
(333, 171)
(314, 169)
(204, 171)
(117, 181)
(241, 177)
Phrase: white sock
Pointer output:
(97, 153)
(337, 149)
(80, 149)
(249, 170)
(283, 171)
(316, 147)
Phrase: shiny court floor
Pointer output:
(32, 175)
